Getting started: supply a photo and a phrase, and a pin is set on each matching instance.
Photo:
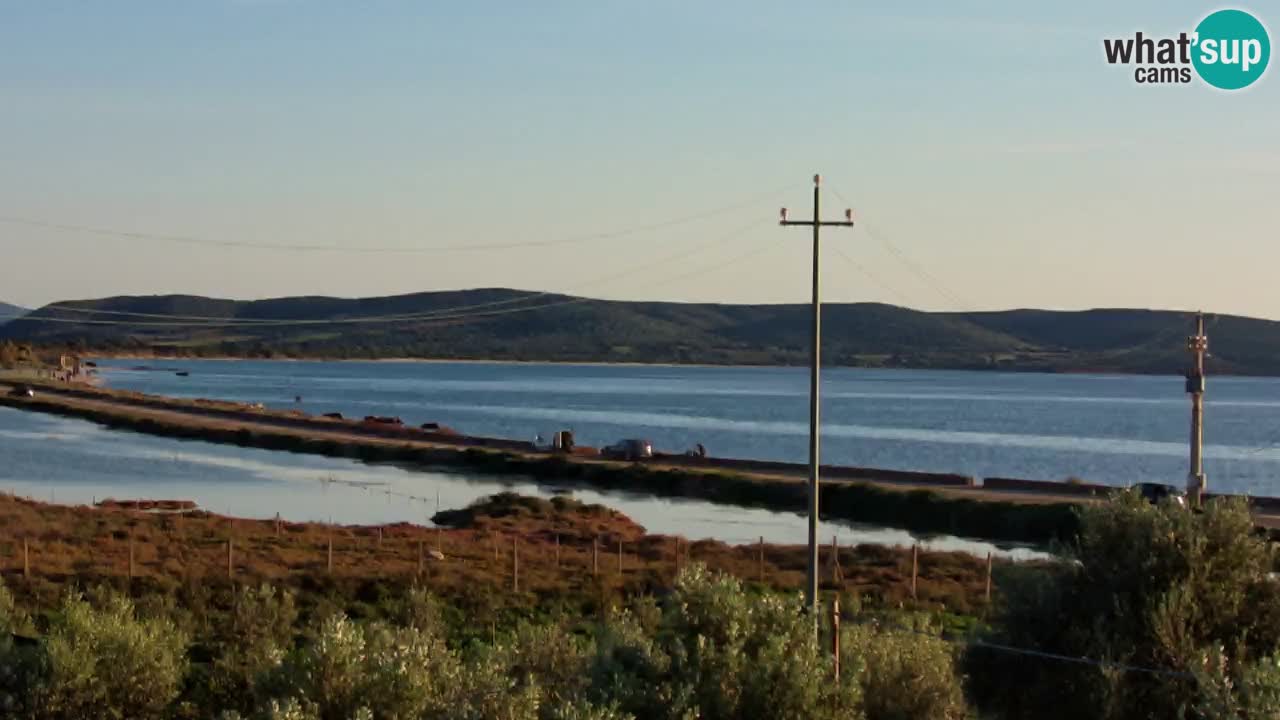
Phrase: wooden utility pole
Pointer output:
(1198, 344)
(815, 364)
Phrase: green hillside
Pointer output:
(497, 325)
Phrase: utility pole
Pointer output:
(1198, 344)
(815, 364)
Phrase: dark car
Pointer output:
(22, 391)
(1155, 492)
(630, 449)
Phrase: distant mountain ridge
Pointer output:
(9, 312)
(494, 324)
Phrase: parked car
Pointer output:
(629, 449)
(22, 391)
(1155, 492)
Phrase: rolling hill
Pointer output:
(494, 324)
(9, 312)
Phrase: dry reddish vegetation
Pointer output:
(556, 543)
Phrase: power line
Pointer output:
(434, 316)
(215, 242)
(929, 278)
(269, 321)
(1027, 652)
(871, 277)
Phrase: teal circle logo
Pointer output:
(1232, 49)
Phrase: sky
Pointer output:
(638, 150)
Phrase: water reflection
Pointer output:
(73, 461)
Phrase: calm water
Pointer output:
(1112, 429)
(74, 461)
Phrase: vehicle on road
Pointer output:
(22, 391)
(1155, 492)
(629, 449)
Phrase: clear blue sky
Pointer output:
(988, 141)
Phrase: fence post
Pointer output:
(515, 563)
(619, 556)
(835, 636)
(230, 561)
(835, 561)
(915, 568)
(419, 557)
(761, 559)
(26, 559)
(130, 556)
(557, 551)
(988, 577)
(329, 561)
(677, 556)
(595, 556)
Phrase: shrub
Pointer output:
(485, 690)
(350, 668)
(721, 653)
(906, 673)
(553, 660)
(107, 663)
(252, 640)
(1158, 587)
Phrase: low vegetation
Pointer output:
(1153, 611)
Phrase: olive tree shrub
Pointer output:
(906, 672)
(247, 643)
(1162, 588)
(105, 663)
(720, 653)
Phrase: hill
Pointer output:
(8, 312)
(494, 324)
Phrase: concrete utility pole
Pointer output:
(815, 364)
(1198, 344)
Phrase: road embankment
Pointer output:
(921, 502)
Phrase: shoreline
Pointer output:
(996, 509)
(632, 364)
(917, 502)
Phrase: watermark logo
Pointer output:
(1228, 50)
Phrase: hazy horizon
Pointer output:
(997, 159)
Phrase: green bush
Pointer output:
(906, 673)
(350, 668)
(105, 663)
(548, 657)
(720, 653)
(251, 640)
(1156, 587)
